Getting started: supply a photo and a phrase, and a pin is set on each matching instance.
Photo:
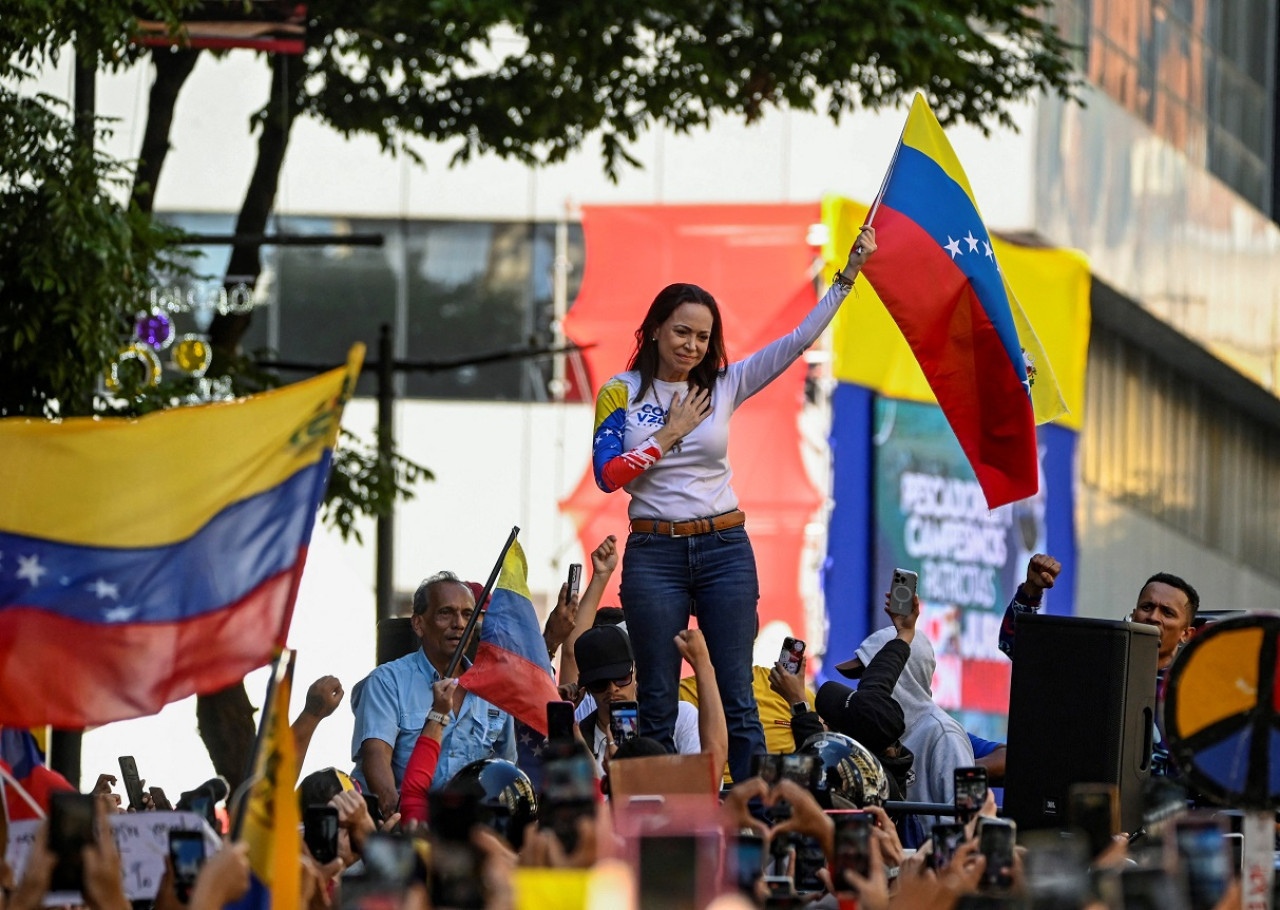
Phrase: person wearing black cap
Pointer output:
(606, 669)
(869, 713)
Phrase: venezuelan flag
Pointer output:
(511, 669)
(270, 819)
(936, 271)
(142, 561)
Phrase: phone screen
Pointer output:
(767, 766)
(575, 578)
(946, 840)
(970, 790)
(669, 873)
(320, 832)
(747, 852)
(1093, 810)
(568, 795)
(996, 841)
(852, 846)
(802, 769)
(624, 721)
(186, 855)
(1148, 888)
(560, 721)
(792, 654)
(70, 831)
(455, 876)
(1202, 853)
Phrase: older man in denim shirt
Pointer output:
(391, 704)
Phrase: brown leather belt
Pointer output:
(721, 522)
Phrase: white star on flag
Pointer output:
(29, 568)
(118, 614)
(972, 241)
(990, 254)
(954, 247)
(105, 589)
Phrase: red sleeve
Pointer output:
(418, 775)
(620, 470)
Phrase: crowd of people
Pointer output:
(437, 775)
(737, 785)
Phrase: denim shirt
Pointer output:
(391, 704)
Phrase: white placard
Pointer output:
(143, 840)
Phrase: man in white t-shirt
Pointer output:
(607, 670)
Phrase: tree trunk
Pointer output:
(260, 198)
(172, 69)
(225, 721)
(226, 718)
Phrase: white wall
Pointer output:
(1119, 548)
(785, 157)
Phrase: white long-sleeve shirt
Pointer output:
(692, 480)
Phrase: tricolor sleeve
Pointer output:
(613, 467)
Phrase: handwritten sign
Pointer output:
(143, 841)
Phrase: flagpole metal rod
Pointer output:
(875, 206)
(484, 596)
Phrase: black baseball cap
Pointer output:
(603, 653)
(876, 722)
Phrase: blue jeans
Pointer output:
(661, 577)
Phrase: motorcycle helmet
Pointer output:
(501, 793)
(851, 777)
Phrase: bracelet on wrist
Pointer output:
(1024, 598)
(439, 717)
(842, 279)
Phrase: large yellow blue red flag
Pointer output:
(145, 560)
(270, 819)
(936, 271)
(511, 669)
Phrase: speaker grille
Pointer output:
(1077, 700)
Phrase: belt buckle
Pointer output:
(671, 531)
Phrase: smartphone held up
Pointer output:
(902, 592)
(792, 654)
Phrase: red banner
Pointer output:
(755, 261)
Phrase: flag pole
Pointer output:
(479, 610)
(239, 799)
(875, 205)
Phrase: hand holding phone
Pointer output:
(970, 791)
(902, 592)
(792, 654)
(747, 854)
(1199, 847)
(186, 856)
(996, 840)
(159, 801)
(1094, 811)
(70, 831)
(853, 846)
(320, 833)
(132, 783)
(946, 840)
(569, 786)
(624, 723)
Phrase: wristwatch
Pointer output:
(441, 719)
(800, 707)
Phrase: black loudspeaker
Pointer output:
(396, 638)
(1081, 710)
